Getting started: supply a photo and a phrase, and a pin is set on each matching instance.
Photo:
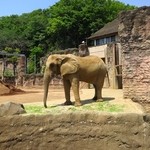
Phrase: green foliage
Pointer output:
(76, 19)
(31, 66)
(8, 73)
(13, 58)
(34, 63)
(36, 51)
(15, 53)
(61, 26)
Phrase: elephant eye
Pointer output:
(51, 65)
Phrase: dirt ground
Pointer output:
(34, 95)
(56, 96)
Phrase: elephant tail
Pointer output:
(108, 78)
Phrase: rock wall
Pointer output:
(134, 32)
(84, 131)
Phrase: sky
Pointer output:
(18, 7)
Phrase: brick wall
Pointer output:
(134, 32)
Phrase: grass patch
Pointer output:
(54, 109)
(34, 109)
(104, 106)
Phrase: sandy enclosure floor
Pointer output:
(56, 96)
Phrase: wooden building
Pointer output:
(105, 44)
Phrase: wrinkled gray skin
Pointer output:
(90, 69)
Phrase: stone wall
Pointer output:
(34, 80)
(134, 32)
(72, 131)
(8, 66)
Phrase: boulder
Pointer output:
(4, 89)
(11, 108)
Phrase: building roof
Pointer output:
(108, 29)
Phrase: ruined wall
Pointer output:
(72, 131)
(134, 32)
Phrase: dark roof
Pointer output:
(108, 29)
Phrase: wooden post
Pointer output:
(3, 68)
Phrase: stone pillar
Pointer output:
(21, 69)
(134, 32)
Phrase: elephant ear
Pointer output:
(69, 66)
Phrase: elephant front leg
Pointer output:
(95, 96)
(75, 88)
(67, 87)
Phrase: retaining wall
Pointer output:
(84, 131)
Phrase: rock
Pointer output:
(4, 89)
(10, 108)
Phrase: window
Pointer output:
(108, 39)
(97, 42)
(101, 41)
(105, 40)
(113, 38)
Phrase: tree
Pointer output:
(34, 63)
(72, 21)
(13, 58)
(61, 26)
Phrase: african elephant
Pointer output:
(90, 69)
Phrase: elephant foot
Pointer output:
(99, 100)
(94, 98)
(68, 103)
(45, 105)
(77, 104)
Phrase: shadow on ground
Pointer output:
(88, 101)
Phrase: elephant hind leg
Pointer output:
(98, 88)
(98, 94)
(67, 87)
(67, 102)
(95, 95)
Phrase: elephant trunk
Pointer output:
(47, 79)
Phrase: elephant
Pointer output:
(73, 69)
